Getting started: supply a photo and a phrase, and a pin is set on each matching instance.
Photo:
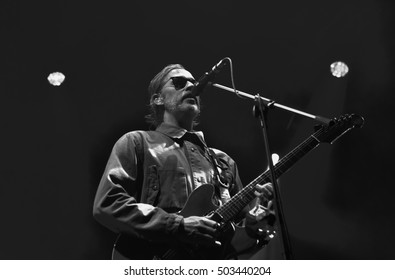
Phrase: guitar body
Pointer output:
(233, 239)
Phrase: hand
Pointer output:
(264, 191)
(259, 212)
(260, 222)
(260, 219)
(199, 230)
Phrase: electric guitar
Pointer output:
(234, 239)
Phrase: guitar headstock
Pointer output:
(337, 127)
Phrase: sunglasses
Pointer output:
(180, 82)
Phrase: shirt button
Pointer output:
(192, 149)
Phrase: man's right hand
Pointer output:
(198, 230)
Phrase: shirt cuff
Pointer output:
(173, 223)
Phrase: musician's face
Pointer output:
(176, 94)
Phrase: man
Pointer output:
(150, 175)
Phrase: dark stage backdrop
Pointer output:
(55, 141)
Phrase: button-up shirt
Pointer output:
(150, 175)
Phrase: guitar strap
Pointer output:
(221, 182)
(218, 166)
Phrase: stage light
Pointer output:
(339, 69)
(56, 78)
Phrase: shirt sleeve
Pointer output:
(116, 204)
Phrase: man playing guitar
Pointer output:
(160, 188)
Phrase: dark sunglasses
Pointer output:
(180, 82)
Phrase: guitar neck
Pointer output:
(237, 203)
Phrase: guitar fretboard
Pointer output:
(231, 208)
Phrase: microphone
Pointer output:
(207, 77)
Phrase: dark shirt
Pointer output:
(149, 176)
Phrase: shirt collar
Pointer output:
(178, 132)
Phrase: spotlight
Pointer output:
(56, 78)
(339, 69)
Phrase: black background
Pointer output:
(55, 141)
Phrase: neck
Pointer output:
(181, 121)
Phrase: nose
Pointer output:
(189, 85)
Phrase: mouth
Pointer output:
(190, 98)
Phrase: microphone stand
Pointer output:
(274, 104)
(260, 109)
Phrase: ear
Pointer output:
(157, 99)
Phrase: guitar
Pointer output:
(233, 239)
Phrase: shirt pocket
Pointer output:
(173, 188)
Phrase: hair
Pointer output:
(155, 116)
